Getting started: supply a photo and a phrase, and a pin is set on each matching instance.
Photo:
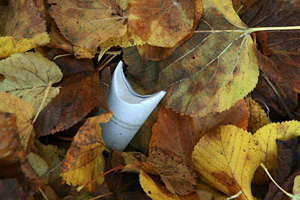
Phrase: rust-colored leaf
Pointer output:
(87, 24)
(13, 161)
(175, 174)
(179, 134)
(283, 44)
(22, 27)
(80, 93)
(161, 23)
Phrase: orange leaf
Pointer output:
(88, 24)
(22, 28)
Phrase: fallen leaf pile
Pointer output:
(231, 72)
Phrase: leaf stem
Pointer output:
(43, 101)
(251, 30)
(107, 172)
(285, 192)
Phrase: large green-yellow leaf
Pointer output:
(27, 75)
(208, 73)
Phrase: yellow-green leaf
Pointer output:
(209, 72)
(227, 158)
(27, 75)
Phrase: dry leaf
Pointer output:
(161, 23)
(173, 172)
(227, 158)
(208, 73)
(179, 134)
(266, 137)
(27, 76)
(153, 190)
(258, 117)
(10, 189)
(87, 24)
(80, 93)
(24, 113)
(84, 160)
(22, 27)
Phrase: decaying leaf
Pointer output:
(227, 158)
(174, 173)
(87, 24)
(27, 75)
(24, 113)
(287, 169)
(161, 23)
(282, 66)
(39, 165)
(13, 161)
(153, 190)
(12, 189)
(258, 117)
(266, 137)
(57, 40)
(208, 73)
(80, 93)
(84, 160)
(179, 134)
(22, 27)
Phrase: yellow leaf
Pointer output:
(227, 158)
(266, 137)
(26, 75)
(127, 40)
(296, 187)
(258, 117)
(84, 160)
(153, 190)
(24, 113)
(22, 28)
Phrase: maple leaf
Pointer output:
(227, 158)
(22, 27)
(208, 73)
(87, 24)
(27, 75)
(287, 168)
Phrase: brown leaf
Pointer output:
(274, 88)
(80, 93)
(10, 190)
(173, 171)
(57, 40)
(179, 134)
(161, 23)
(283, 44)
(123, 185)
(87, 24)
(22, 27)
(287, 168)
(13, 160)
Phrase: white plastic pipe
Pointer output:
(130, 111)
